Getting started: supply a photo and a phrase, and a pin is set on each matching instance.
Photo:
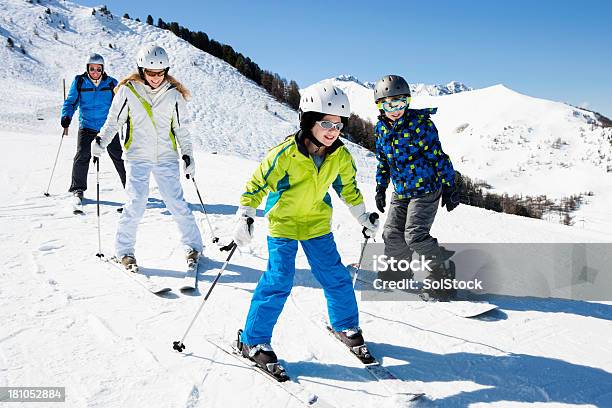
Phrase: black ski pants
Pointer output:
(80, 166)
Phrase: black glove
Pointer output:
(451, 195)
(381, 198)
(65, 121)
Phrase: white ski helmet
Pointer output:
(95, 59)
(153, 57)
(325, 98)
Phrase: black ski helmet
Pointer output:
(390, 85)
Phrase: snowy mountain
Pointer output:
(518, 144)
(68, 319)
(229, 113)
(416, 89)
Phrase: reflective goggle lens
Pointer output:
(154, 74)
(394, 105)
(326, 124)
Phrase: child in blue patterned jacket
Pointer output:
(410, 155)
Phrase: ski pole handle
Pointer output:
(65, 131)
(187, 161)
(232, 245)
(373, 217)
(95, 159)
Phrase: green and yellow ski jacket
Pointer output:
(299, 205)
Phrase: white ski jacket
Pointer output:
(155, 122)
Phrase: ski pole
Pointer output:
(64, 133)
(373, 218)
(215, 239)
(97, 163)
(178, 345)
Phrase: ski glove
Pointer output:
(359, 212)
(96, 149)
(381, 198)
(189, 166)
(243, 232)
(451, 195)
(65, 121)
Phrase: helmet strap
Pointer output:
(314, 140)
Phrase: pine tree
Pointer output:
(150, 19)
(293, 95)
(126, 15)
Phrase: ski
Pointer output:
(292, 387)
(139, 276)
(190, 280)
(372, 365)
(460, 308)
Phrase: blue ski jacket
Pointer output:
(93, 102)
(409, 154)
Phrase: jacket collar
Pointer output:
(103, 78)
(143, 90)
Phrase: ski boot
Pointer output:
(192, 258)
(442, 268)
(77, 202)
(129, 263)
(264, 357)
(78, 195)
(353, 339)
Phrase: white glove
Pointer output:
(96, 149)
(359, 212)
(243, 233)
(189, 165)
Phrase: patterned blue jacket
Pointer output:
(410, 154)
(93, 102)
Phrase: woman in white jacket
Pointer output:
(153, 105)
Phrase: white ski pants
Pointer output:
(167, 175)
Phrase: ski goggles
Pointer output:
(394, 105)
(154, 74)
(327, 125)
(92, 69)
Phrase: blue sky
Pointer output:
(559, 50)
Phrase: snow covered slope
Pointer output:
(229, 113)
(68, 319)
(518, 144)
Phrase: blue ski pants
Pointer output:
(275, 286)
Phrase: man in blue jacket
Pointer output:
(92, 93)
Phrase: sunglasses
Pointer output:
(394, 105)
(92, 69)
(153, 74)
(327, 125)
